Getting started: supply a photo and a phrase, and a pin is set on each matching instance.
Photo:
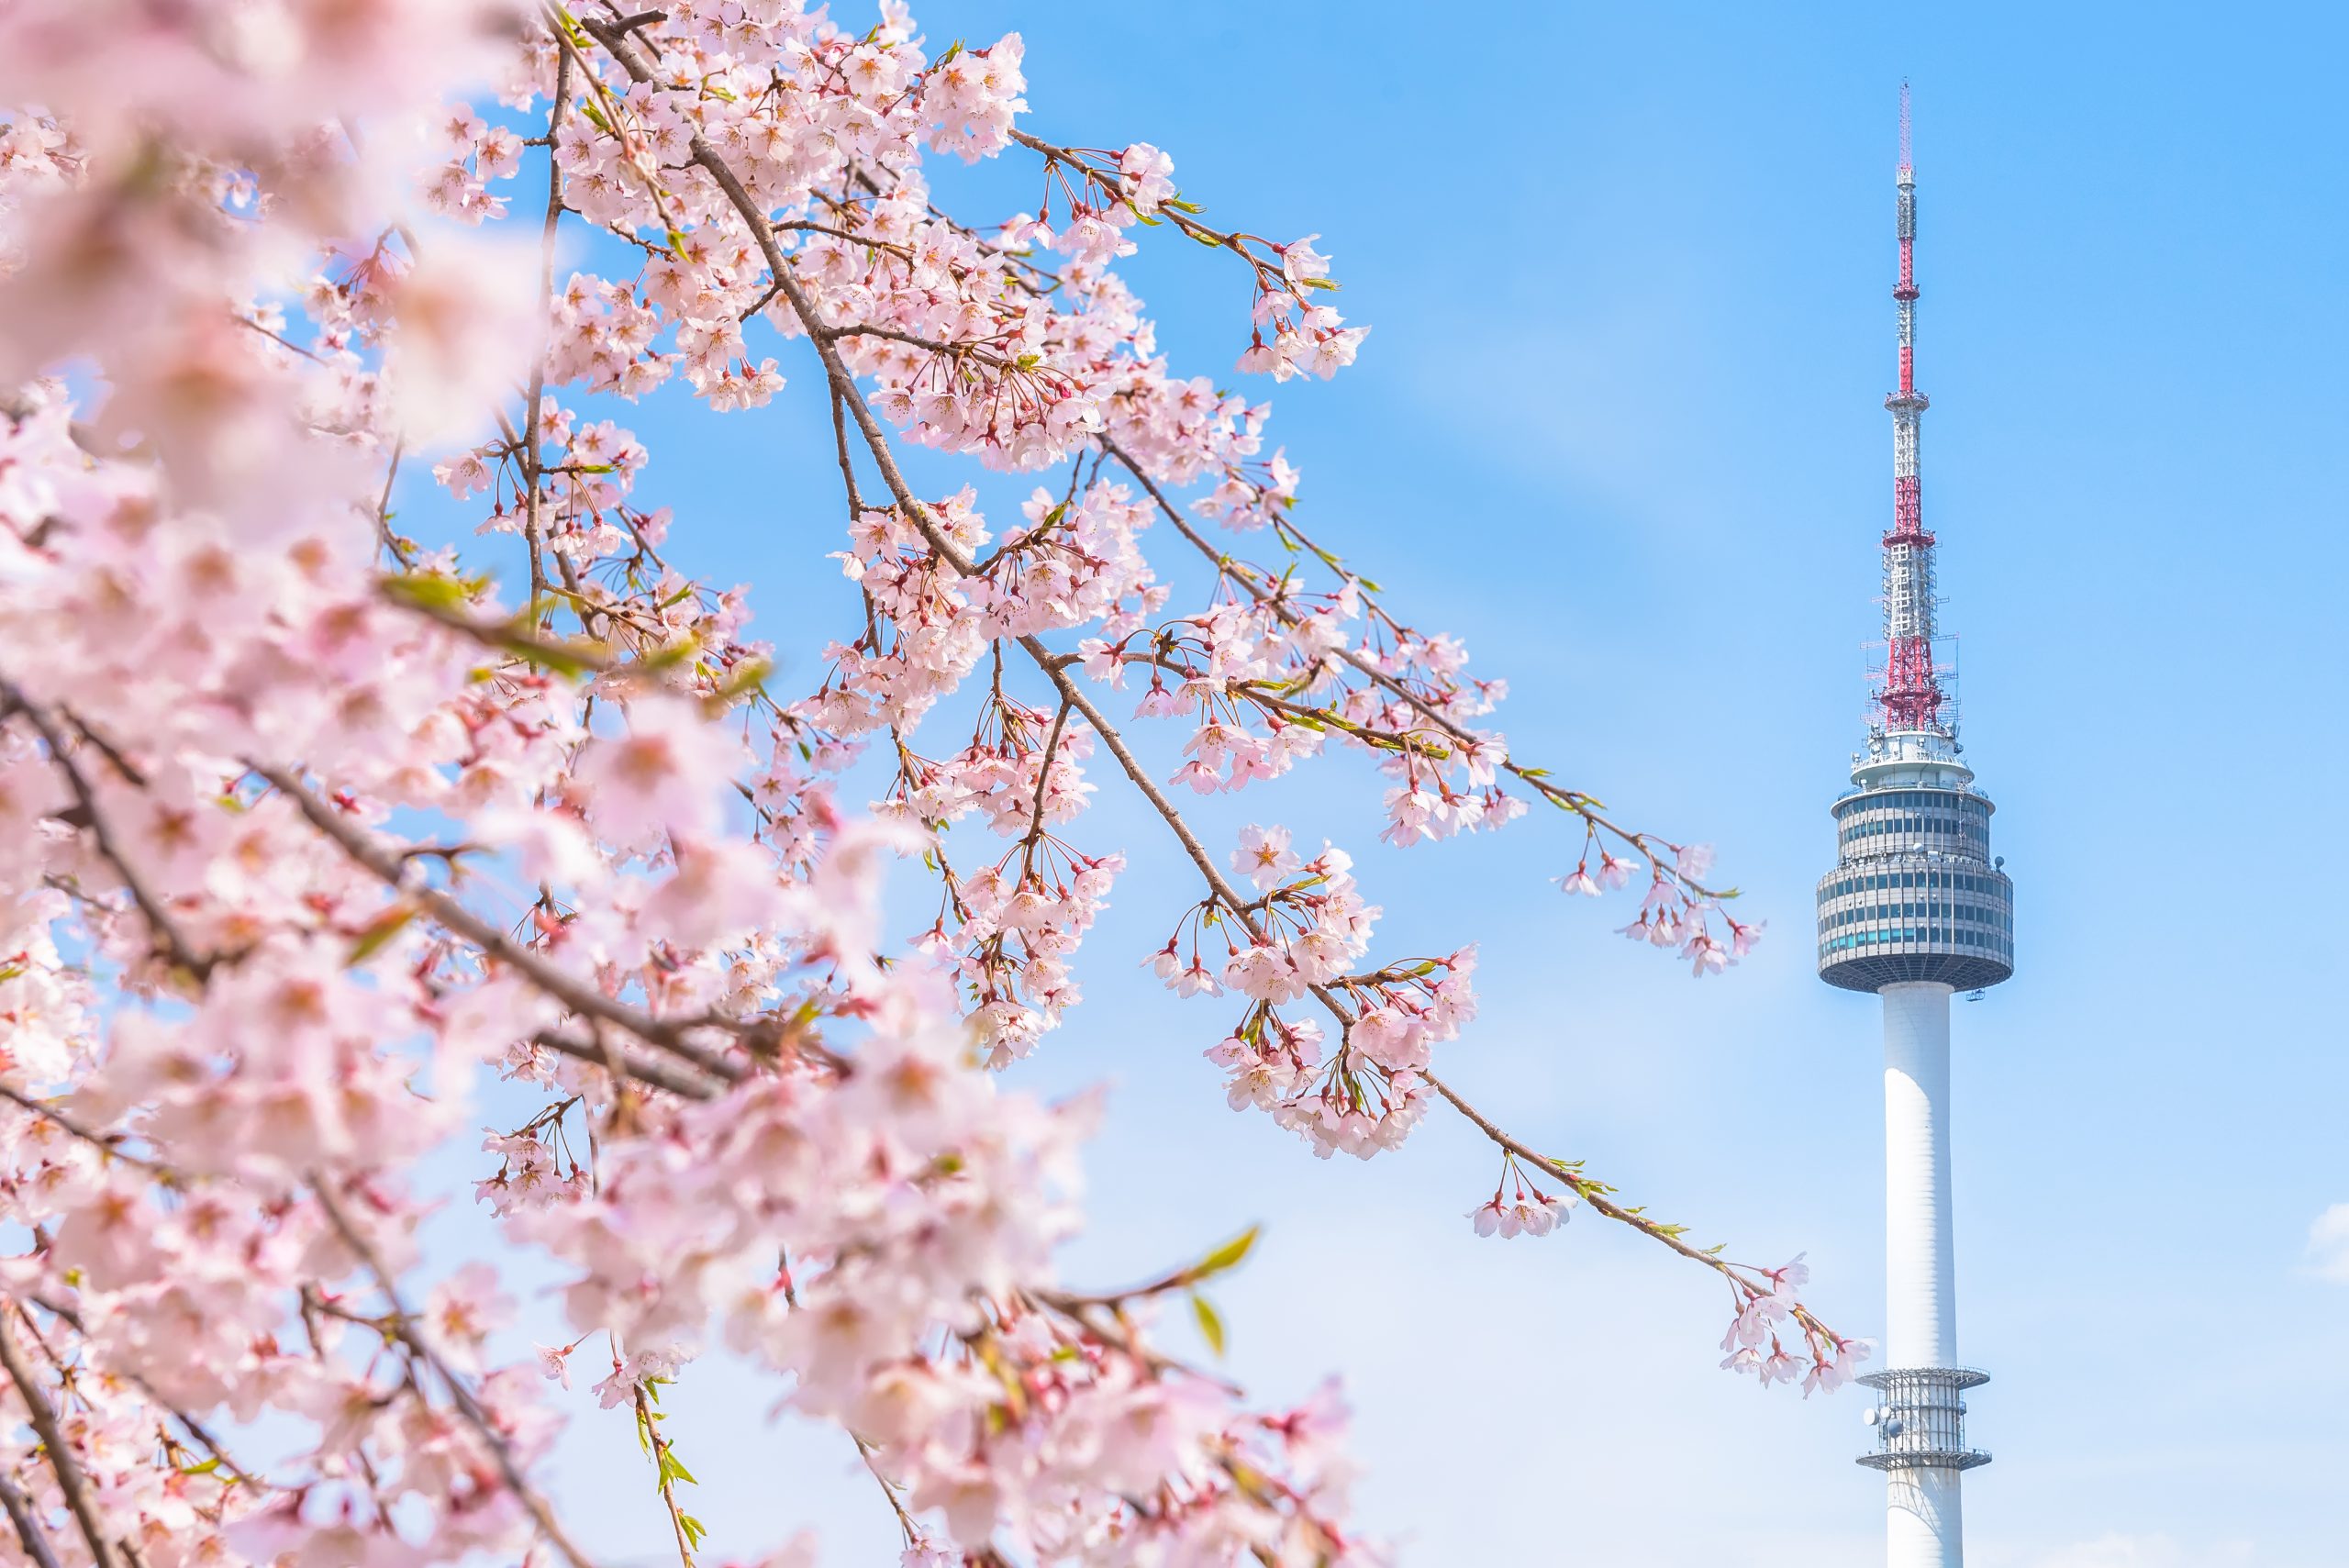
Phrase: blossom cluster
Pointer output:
(319, 833)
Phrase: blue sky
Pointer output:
(1620, 425)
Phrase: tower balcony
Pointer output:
(1920, 1420)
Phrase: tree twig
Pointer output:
(28, 1530)
(580, 994)
(159, 923)
(62, 1461)
(403, 1327)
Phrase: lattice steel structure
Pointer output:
(1916, 908)
(1920, 1420)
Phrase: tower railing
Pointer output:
(1920, 1420)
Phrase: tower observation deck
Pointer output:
(1916, 908)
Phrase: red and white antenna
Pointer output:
(1910, 695)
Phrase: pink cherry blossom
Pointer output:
(321, 843)
(1263, 856)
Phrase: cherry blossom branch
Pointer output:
(103, 1142)
(1221, 1258)
(572, 990)
(403, 1327)
(1086, 163)
(1055, 669)
(201, 593)
(905, 1527)
(1085, 1313)
(28, 1530)
(433, 598)
(195, 1428)
(1043, 779)
(164, 930)
(534, 527)
(1242, 910)
(663, 1460)
(62, 1461)
(1588, 1192)
(622, 1062)
(825, 338)
(1582, 805)
(1055, 666)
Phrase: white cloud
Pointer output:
(2329, 1243)
(2120, 1550)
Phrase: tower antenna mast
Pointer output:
(1910, 696)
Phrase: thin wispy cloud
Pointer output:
(2329, 1243)
(2120, 1549)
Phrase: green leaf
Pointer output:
(1210, 1325)
(429, 590)
(748, 677)
(695, 1530)
(670, 655)
(1227, 1256)
(377, 934)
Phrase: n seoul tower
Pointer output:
(1914, 910)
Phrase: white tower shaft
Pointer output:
(1924, 1520)
(1925, 1527)
(1920, 1270)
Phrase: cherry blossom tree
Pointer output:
(312, 832)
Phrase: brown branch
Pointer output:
(623, 1064)
(404, 1328)
(1581, 804)
(101, 1142)
(62, 1461)
(384, 504)
(661, 1451)
(533, 525)
(195, 1428)
(580, 994)
(888, 1489)
(1582, 1185)
(1044, 777)
(164, 928)
(1072, 695)
(28, 1530)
